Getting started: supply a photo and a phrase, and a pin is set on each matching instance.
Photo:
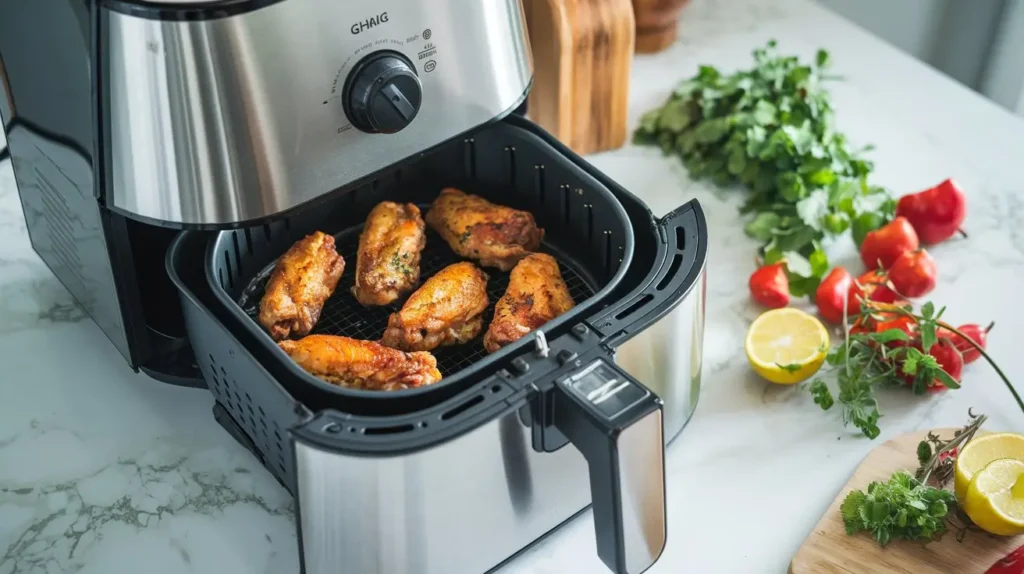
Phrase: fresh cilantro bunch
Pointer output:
(900, 508)
(771, 129)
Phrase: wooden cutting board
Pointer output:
(829, 550)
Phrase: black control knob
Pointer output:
(383, 93)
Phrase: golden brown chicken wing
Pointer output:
(447, 310)
(493, 235)
(304, 277)
(388, 261)
(361, 364)
(536, 294)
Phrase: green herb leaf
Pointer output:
(821, 59)
(946, 379)
(763, 226)
(900, 509)
(924, 452)
(890, 335)
(822, 396)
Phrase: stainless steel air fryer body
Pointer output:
(227, 119)
(230, 115)
(464, 506)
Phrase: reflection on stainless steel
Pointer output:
(667, 356)
(642, 480)
(415, 514)
(226, 120)
(515, 457)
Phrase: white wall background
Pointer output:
(978, 42)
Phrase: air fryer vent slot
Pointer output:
(636, 306)
(681, 238)
(395, 429)
(465, 406)
(677, 260)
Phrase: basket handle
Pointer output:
(616, 423)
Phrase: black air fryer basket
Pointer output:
(587, 231)
(625, 269)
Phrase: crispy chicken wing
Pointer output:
(493, 235)
(536, 294)
(304, 277)
(447, 310)
(361, 364)
(388, 261)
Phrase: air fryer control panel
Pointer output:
(226, 120)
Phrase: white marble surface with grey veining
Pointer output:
(106, 471)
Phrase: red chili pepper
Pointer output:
(832, 291)
(1012, 563)
(975, 332)
(769, 286)
(935, 213)
(947, 356)
(914, 274)
(885, 245)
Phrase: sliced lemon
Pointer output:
(995, 497)
(786, 345)
(981, 450)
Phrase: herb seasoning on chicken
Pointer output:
(388, 261)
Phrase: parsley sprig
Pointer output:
(902, 508)
(771, 128)
(866, 360)
(907, 506)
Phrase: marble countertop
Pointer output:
(103, 470)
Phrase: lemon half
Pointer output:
(981, 450)
(786, 346)
(995, 497)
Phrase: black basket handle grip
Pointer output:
(617, 424)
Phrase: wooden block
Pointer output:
(583, 54)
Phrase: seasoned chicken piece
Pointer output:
(447, 310)
(493, 235)
(361, 364)
(304, 277)
(388, 261)
(536, 294)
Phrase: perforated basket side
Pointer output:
(257, 404)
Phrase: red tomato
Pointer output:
(886, 244)
(837, 287)
(948, 357)
(914, 274)
(769, 286)
(875, 288)
(975, 332)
